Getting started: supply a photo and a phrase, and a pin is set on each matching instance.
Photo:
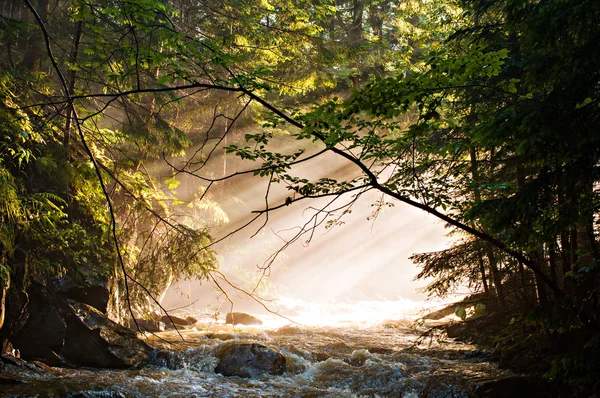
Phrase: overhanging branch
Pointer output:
(371, 176)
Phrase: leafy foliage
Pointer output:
(484, 114)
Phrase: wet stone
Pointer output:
(147, 325)
(220, 336)
(168, 359)
(249, 360)
(5, 380)
(12, 360)
(321, 356)
(94, 340)
(173, 321)
(458, 331)
(444, 388)
(241, 318)
(68, 333)
(380, 350)
(481, 355)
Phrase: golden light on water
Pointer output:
(356, 313)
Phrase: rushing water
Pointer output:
(348, 359)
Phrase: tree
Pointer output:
(147, 61)
(491, 127)
(57, 225)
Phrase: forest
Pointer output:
(481, 113)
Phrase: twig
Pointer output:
(184, 306)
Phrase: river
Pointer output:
(328, 358)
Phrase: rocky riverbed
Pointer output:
(384, 359)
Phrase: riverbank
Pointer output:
(522, 344)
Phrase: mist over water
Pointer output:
(359, 270)
(361, 259)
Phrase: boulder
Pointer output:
(12, 360)
(8, 380)
(42, 335)
(249, 360)
(17, 371)
(94, 340)
(16, 314)
(85, 286)
(321, 356)
(169, 359)
(146, 325)
(172, 321)
(459, 331)
(241, 318)
(62, 332)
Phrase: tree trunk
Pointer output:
(376, 16)
(496, 275)
(565, 244)
(12, 12)
(355, 31)
(489, 249)
(553, 264)
(31, 60)
(72, 78)
(565, 252)
(331, 27)
(592, 238)
(486, 288)
(355, 36)
(525, 287)
(536, 254)
(4, 286)
(224, 154)
(541, 288)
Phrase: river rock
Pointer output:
(169, 359)
(8, 380)
(94, 340)
(147, 325)
(249, 360)
(62, 332)
(85, 286)
(12, 360)
(172, 321)
(241, 318)
(42, 335)
(459, 331)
